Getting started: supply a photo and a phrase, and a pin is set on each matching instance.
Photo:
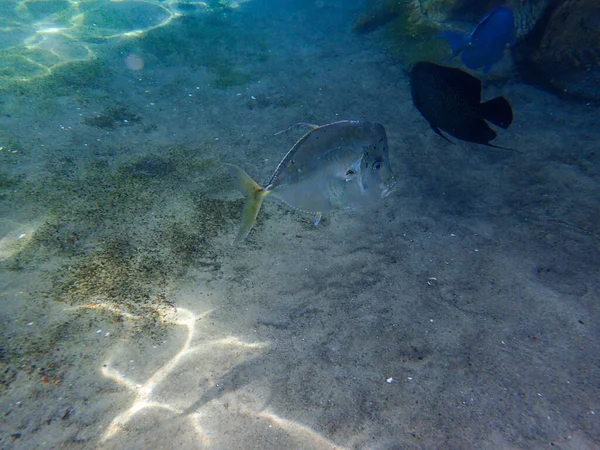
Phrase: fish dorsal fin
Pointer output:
(501, 9)
(288, 158)
(312, 126)
(495, 10)
(480, 25)
(468, 86)
(290, 154)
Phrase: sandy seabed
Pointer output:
(460, 312)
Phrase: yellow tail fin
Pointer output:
(255, 194)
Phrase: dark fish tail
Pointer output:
(255, 194)
(498, 111)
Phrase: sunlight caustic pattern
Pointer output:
(143, 392)
(36, 36)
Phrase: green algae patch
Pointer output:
(71, 78)
(9, 181)
(120, 235)
(112, 117)
(134, 275)
(228, 51)
(412, 38)
(409, 34)
(226, 75)
(116, 271)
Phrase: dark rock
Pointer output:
(562, 52)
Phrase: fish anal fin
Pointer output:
(439, 132)
(504, 148)
(255, 194)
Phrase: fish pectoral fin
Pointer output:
(353, 169)
(255, 194)
(458, 41)
(317, 219)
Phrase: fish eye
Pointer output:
(377, 166)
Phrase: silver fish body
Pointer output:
(340, 165)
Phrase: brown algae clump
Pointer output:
(120, 236)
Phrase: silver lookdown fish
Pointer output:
(340, 165)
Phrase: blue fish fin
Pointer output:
(458, 41)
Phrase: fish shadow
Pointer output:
(236, 378)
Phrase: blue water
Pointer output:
(459, 312)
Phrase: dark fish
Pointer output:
(485, 45)
(343, 164)
(450, 100)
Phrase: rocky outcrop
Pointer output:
(558, 41)
(563, 50)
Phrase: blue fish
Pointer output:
(485, 45)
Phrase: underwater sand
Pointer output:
(460, 312)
